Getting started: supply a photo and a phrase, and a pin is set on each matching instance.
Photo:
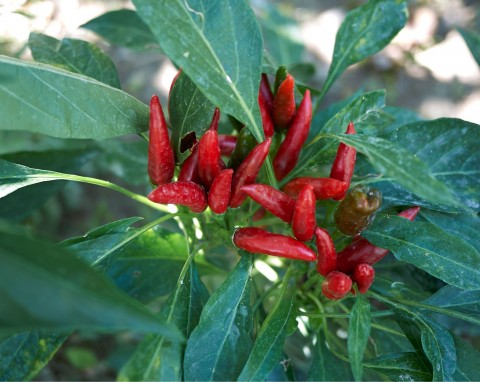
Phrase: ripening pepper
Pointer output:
(344, 163)
(161, 159)
(356, 211)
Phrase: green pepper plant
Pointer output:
(266, 232)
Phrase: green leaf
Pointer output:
(467, 361)
(318, 151)
(438, 253)
(448, 147)
(219, 346)
(436, 342)
(281, 34)
(460, 225)
(323, 359)
(218, 45)
(74, 55)
(157, 358)
(402, 117)
(124, 28)
(358, 332)
(400, 367)
(98, 244)
(57, 291)
(365, 31)
(16, 207)
(440, 349)
(189, 111)
(268, 347)
(473, 41)
(467, 303)
(23, 355)
(62, 104)
(395, 162)
(156, 255)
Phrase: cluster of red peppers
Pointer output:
(206, 181)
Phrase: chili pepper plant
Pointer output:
(277, 235)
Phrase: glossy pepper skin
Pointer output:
(304, 220)
(161, 159)
(273, 200)
(266, 93)
(289, 151)
(327, 256)
(187, 194)
(360, 250)
(209, 158)
(245, 143)
(227, 144)
(258, 240)
(215, 120)
(363, 275)
(248, 171)
(336, 285)
(284, 103)
(219, 194)
(267, 121)
(344, 163)
(189, 169)
(324, 188)
(356, 211)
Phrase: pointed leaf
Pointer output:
(267, 350)
(51, 101)
(219, 346)
(74, 55)
(219, 46)
(365, 31)
(465, 303)
(124, 28)
(358, 332)
(400, 367)
(21, 204)
(449, 148)
(157, 358)
(189, 111)
(445, 256)
(57, 291)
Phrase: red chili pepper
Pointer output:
(257, 240)
(363, 275)
(187, 194)
(219, 194)
(289, 151)
(284, 103)
(324, 188)
(360, 250)
(161, 160)
(248, 171)
(266, 92)
(336, 285)
(327, 256)
(227, 144)
(215, 119)
(344, 164)
(267, 122)
(304, 220)
(273, 200)
(209, 158)
(189, 169)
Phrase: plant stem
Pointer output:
(112, 186)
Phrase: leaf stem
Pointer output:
(112, 186)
